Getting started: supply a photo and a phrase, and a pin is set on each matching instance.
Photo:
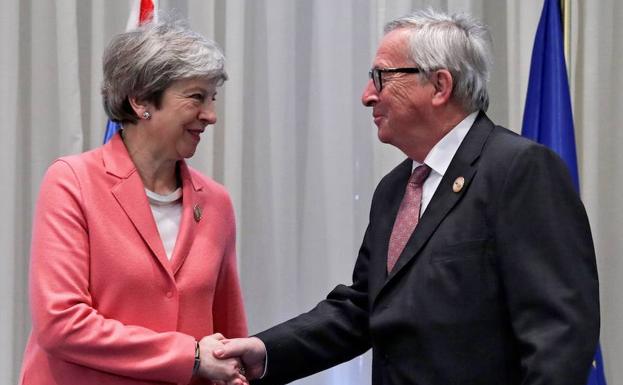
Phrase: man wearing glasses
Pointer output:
(477, 266)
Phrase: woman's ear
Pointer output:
(443, 83)
(139, 107)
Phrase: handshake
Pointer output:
(230, 361)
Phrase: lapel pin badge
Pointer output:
(197, 213)
(458, 184)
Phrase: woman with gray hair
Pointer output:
(133, 273)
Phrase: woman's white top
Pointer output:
(167, 211)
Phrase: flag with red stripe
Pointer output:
(141, 12)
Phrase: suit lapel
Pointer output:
(192, 200)
(443, 201)
(130, 194)
(463, 164)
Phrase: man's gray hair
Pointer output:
(143, 62)
(458, 43)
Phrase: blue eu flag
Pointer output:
(547, 117)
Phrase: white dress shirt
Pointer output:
(440, 156)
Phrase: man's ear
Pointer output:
(443, 83)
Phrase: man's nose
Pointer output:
(370, 96)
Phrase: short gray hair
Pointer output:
(143, 62)
(456, 42)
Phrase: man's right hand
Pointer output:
(227, 371)
(251, 351)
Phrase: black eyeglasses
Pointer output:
(376, 74)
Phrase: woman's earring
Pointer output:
(146, 115)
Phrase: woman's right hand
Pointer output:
(228, 371)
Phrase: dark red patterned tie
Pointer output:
(408, 215)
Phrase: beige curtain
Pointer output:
(294, 146)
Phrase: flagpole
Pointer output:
(565, 17)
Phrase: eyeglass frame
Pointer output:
(376, 74)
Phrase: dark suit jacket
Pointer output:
(497, 285)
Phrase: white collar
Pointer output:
(440, 156)
(164, 200)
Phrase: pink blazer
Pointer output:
(107, 305)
